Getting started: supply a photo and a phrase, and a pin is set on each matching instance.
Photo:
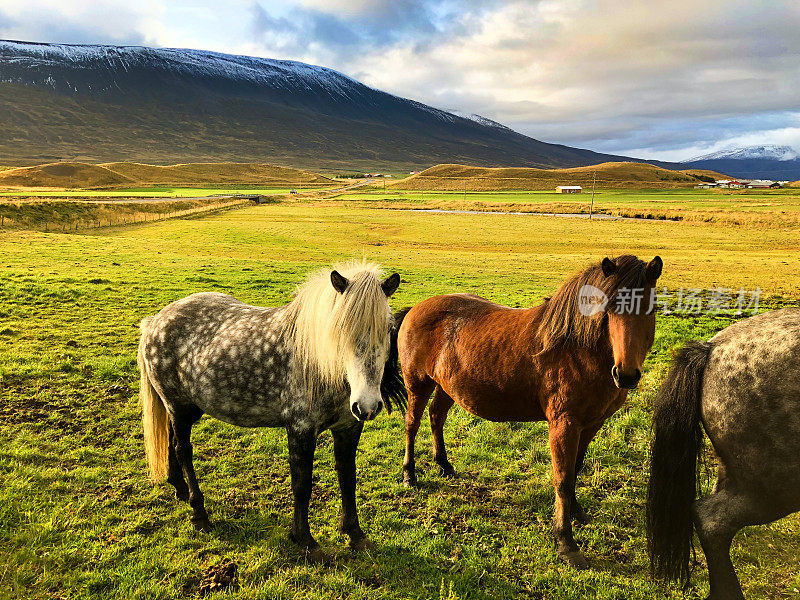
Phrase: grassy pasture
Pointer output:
(778, 208)
(70, 215)
(79, 519)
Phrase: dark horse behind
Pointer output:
(743, 388)
(567, 361)
(315, 364)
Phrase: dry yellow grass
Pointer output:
(127, 174)
(609, 175)
(217, 173)
(63, 175)
(705, 173)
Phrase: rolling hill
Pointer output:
(128, 174)
(608, 175)
(97, 104)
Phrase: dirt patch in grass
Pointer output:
(218, 578)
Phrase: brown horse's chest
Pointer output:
(579, 390)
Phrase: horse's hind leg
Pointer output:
(175, 476)
(440, 406)
(182, 423)
(419, 392)
(717, 519)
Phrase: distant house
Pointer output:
(705, 186)
(414, 172)
(763, 184)
(569, 189)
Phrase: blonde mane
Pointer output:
(328, 328)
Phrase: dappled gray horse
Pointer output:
(315, 364)
(743, 387)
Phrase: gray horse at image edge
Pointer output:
(327, 360)
(743, 388)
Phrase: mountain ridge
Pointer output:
(114, 103)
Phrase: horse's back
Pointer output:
(220, 354)
(751, 399)
(434, 322)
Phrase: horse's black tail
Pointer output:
(393, 389)
(677, 444)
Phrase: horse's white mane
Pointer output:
(329, 327)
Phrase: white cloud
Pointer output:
(74, 21)
(619, 76)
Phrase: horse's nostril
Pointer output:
(356, 410)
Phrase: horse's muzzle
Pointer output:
(363, 415)
(625, 381)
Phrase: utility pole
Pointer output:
(465, 191)
(384, 185)
(591, 206)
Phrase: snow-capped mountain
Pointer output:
(769, 161)
(477, 118)
(767, 151)
(163, 104)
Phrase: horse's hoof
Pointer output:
(449, 473)
(203, 525)
(409, 481)
(362, 544)
(574, 559)
(582, 517)
(317, 555)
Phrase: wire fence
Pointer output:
(85, 222)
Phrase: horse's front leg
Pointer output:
(564, 443)
(345, 444)
(576, 510)
(301, 463)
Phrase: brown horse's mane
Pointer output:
(561, 322)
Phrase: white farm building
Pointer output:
(569, 189)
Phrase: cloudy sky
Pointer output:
(663, 80)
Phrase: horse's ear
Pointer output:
(608, 267)
(339, 282)
(653, 269)
(389, 285)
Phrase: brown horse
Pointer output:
(569, 361)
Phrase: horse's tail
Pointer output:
(154, 417)
(677, 444)
(393, 389)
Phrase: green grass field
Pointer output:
(79, 519)
(773, 207)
